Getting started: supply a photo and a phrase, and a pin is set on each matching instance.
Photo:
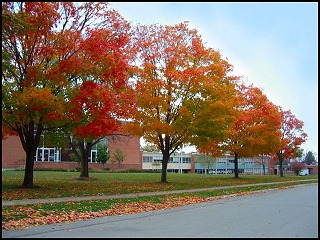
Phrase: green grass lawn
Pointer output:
(61, 184)
(64, 184)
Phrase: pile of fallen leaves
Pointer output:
(35, 219)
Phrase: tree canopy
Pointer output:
(183, 89)
(309, 158)
(79, 68)
(64, 66)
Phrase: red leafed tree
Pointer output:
(182, 87)
(292, 136)
(256, 128)
(97, 109)
(49, 50)
(297, 166)
(103, 95)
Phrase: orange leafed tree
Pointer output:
(256, 129)
(292, 136)
(50, 50)
(182, 87)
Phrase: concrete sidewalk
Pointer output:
(130, 195)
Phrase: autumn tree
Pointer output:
(297, 166)
(96, 118)
(30, 102)
(256, 128)
(183, 89)
(292, 136)
(50, 61)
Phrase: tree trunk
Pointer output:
(236, 171)
(280, 157)
(30, 142)
(85, 149)
(165, 160)
(281, 167)
(263, 165)
(28, 172)
(84, 168)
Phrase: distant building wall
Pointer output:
(13, 154)
(130, 146)
(313, 168)
(13, 157)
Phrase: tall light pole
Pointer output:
(252, 166)
(164, 146)
(180, 169)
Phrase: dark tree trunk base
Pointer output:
(86, 178)
(165, 182)
(28, 186)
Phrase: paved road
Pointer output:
(289, 213)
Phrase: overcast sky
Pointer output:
(274, 45)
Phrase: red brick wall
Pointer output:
(130, 146)
(92, 166)
(193, 162)
(313, 168)
(13, 154)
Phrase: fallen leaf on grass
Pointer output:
(34, 218)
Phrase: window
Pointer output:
(47, 154)
(93, 156)
(147, 159)
(157, 159)
(174, 159)
(200, 171)
(186, 160)
(221, 160)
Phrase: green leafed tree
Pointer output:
(149, 148)
(103, 153)
(118, 156)
(309, 158)
(206, 160)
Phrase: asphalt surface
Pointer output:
(291, 213)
